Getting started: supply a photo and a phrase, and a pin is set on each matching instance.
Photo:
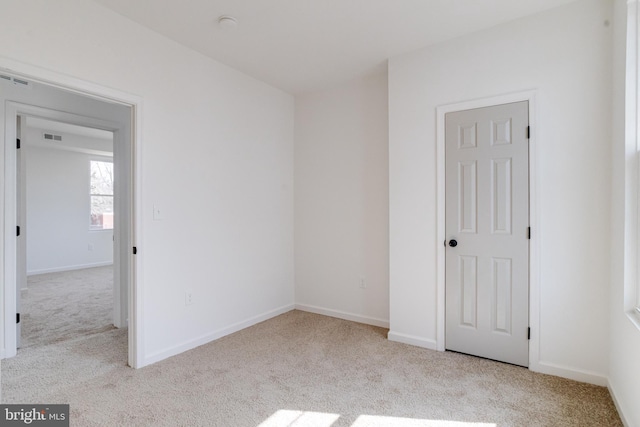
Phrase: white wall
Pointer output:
(624, 369)
(341, 201)
(565, 55)
(58, 208)
(216, 156)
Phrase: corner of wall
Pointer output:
(207, 338)
(412, 340)
(616, 402)
(570, 373)
(367, 320)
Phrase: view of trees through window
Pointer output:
(101, 195)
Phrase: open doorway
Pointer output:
(24, 100)
(65, 249)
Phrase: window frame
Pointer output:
(109, 160)
(631, 294)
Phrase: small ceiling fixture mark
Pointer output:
(227, 22)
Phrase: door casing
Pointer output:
(62, 82)
(534, 284)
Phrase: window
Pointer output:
(101, 195)
(632, 147)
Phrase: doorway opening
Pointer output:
(25, 100)
(65, 208)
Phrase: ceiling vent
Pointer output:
(52, 137)
(14, 80)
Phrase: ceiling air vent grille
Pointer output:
(15, 80)
(52, 137)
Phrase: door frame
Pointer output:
(134, 275)
(121, 230)
(534, 243)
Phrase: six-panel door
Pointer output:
(487, 214)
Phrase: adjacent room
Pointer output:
(328, 213)
(67, 188)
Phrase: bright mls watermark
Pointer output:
(34, 415)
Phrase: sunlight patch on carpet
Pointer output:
(380, 421)
(300, 419)
(289, 418)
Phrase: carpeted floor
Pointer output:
(65, 305)
(298, 369)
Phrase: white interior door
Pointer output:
(487, 221)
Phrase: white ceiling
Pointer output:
(305, 45)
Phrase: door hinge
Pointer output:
(18, 143)
(529, 233)
(17, 317)
(528, 132)
(135, 250)
(528, 333)
(18, 231)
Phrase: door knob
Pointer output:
(453, 243)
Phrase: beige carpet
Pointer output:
(66, 305)
(298, 369)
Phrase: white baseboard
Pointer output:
(205, 339)
(617, 403)
(344, 315)
(69, 268)
(570, 373)
(412, 340)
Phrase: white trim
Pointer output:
(69, 268)
(71, 84)
(382, 323)
(49, 114)
(9, 239)
(631, 299)
(534, 245)
(412, 340)
(93, 90)
(616, 402)
(93, 153)
(207, 338)
(632, 142)
(634, 317)
(571, 373)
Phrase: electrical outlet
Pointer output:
(363, 284)
(188, 298)
(90, 247)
